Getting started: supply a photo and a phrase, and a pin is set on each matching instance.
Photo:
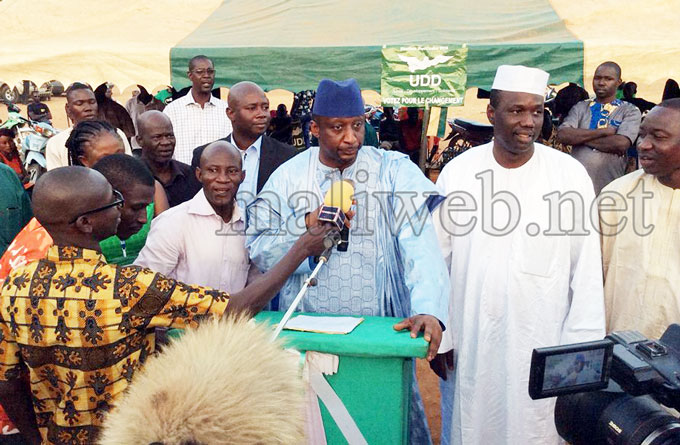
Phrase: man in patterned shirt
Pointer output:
(79, 326)
(603, 129)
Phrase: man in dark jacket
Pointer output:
(248, 112)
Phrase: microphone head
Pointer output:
(340, 195)
(333, 215)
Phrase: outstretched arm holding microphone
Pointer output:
(256, 295)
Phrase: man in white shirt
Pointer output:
(198, 117)
(202, 241)
(81, 105)
(525, 269)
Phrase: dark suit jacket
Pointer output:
(272, 154)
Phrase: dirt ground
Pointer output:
(429, 389)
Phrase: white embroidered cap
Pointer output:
(521, 79)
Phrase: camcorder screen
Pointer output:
(570, 368)
(575, 368)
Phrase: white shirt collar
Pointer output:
(189, 98)
(257, 145)
(199, 205)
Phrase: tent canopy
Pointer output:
(292, 44)
(127, 41)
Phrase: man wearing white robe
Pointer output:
(639, 215)
(524, 262)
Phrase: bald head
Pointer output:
(221, 173)
(156, 137)
(77, 206)
(220, 149)
(248, 111)
(239, 91)
(151, 118)
(63, 193)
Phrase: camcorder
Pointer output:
(591, 409)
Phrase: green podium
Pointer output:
(374, 375)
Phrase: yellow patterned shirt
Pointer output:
(81, 328)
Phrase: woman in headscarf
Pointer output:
(9, 154)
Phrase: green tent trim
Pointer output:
(292, 44)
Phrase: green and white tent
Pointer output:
(292, 44)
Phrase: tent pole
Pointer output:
(423, 139)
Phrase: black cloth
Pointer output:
(183, 184)
(37, 111)
(112, 112)
(272, 154)
(282, 129)
(302, 103)
(671, 90)
(643, 105)
(389, 130)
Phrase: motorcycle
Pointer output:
(464, 135)
(31, 137)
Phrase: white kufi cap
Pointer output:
(521, 79)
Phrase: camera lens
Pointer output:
(641, 421)
(614, 418)
(577, 415)
(667, 435)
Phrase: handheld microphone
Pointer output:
(337, 202)
(343, 244)
(331, 240)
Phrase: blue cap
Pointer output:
(338, 99)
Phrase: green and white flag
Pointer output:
(423, 76)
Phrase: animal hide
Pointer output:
(223, 383)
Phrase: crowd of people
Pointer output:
(216, 213)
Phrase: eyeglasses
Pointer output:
(199, 73)
(118, 201)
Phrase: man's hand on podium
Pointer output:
(432, 331)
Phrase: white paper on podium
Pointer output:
(323, 325)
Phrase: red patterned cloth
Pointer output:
(30, 244)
